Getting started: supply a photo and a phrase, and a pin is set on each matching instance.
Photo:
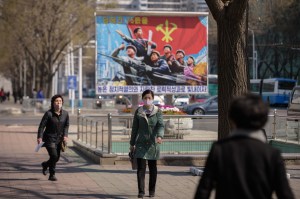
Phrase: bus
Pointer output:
(275, 91)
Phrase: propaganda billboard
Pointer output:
(165, 53)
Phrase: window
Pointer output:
(268, 87)
(286, 85)
(254, 87)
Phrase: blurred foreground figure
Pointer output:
(244, 165)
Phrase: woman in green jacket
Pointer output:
(147, 133)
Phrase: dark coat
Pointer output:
(244, 167)
(53, 127)
(144, 133)
(141, 46)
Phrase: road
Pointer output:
(34, 120)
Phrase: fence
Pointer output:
(183, 133)
(41, 105)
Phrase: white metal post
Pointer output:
(33, 83)
(72, 73)
(21, 75)
(80, 78)
(253, 54)
(25, 79)
(69, 71)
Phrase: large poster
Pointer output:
(167, 54)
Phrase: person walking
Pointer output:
(244, 165)
(53, 130)
(147, 133)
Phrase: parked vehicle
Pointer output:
(104, 101)
(199, 98)
(209, 106)
(275, 91)
(294, 103)
(181, 100)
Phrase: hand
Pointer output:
(158, 140)
(150, 43)
(120, 33)
(39, 140)
(65, 139)
(122, 47)
(132, 148)
(148, 68)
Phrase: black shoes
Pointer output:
(141, 195)
(52, 178)
(151, 195)
(44, 168)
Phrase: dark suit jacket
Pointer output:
(53, 127)
(244, 168)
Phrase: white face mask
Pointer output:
(148, 102)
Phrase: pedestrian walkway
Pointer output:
(21, 176)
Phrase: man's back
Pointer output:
(244, 167)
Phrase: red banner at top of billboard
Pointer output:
(185, 33)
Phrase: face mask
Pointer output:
(148, 102)
(58, 106)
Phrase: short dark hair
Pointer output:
(249, 111)
(54, 97)
(148, 92)
(136, 30)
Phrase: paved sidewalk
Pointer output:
(21, 177)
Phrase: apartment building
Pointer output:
(154, 5)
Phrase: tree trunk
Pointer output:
(232, 57)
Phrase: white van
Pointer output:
(294, 103)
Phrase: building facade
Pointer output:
(154, 5)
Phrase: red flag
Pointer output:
(186, 33)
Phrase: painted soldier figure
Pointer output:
(192, 78)
(132, 65)
(178, 64)
(140, 43)
(168, 56)
(158, 70)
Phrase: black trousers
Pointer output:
(141, 172)
(54, 155)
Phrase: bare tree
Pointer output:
(276, 27)
(231, 18)
(44, 30)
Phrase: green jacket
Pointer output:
(144, 133)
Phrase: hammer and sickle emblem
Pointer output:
(166, 31)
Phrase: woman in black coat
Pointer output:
(53, 130)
